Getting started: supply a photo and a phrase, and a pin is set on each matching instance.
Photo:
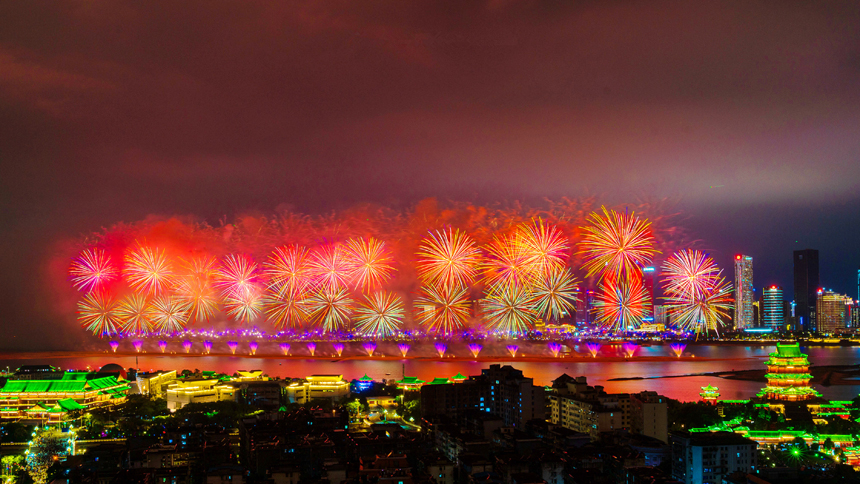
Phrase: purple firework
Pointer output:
(252, 346)
(441, 348)
(475, 348)
(137, 345)
(404, 348)
(338, 348)
(593, 348)
(629, 349)
(370, 347)
(187, 345)
(555, 348)
(312, 347)
(285, 347)
(232, 345)
(162, 345)
(512, 349)
(114, 345)
(207, 347)
(678, 348)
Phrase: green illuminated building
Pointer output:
(788, 375)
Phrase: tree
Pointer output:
(47, 445)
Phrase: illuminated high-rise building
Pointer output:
(774, 308)
(806, 287)
(649, 276)
(744, 296)
(833, 311)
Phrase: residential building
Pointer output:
(330, 387)
(582, 408)
(649, 415)
(513, 397)
(806, 288)
(744, 297)
(707, 458)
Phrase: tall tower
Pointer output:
(649, 274)
(833, 312)
(744, 296)
(774, 309)
(806, 288)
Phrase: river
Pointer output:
(650, 361)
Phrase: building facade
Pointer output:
(833, 312)
(806, 288)
(744, 296)
(706, 458)
(774, 308)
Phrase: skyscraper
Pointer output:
(774, 309)
(833, 312)
(649, 274)
(744, 296)
(806, 288)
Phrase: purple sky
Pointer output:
(747, 112)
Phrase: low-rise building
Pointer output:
(198, 390)
(52, 399)
(155, 383)
(330, 387)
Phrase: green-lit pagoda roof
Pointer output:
(439, 381)
(365, 378)
(788, 376)
(788, 350)
(410, 380)
(458, 376)
(710, 388)
(788, 391)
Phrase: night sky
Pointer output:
(745, 114)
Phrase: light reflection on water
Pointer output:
(543, 372)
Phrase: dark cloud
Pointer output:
(746, 111)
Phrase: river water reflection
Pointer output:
(711, 358)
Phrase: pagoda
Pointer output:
(710, 394)
(788, 376)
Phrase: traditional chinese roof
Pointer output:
(365, 378)
(788, 376)
(410, 380)
(58, 386)
(458, 376)
(439, 381)
(788, 350)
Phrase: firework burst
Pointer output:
(593, 348)
(509, 309)
(162, 345)
(554, 294)
(381, 316)
(91, 270)
(288, 270)
(133, 313)
(678, 349)
(330, 309)
(512, 349)
(475, 349)
(508, 261)
(168, 314)
(238, 276)
(244, 307)
(546, 247)
(338, 348)
(441, 348)
(97, 314)
(443, 310)
(621, 307)
(689, 272)
(252, 347)
(148, 270)
(286, 308)
(194, 288)
(616, 244)
(704, 312)
(285, 348)
(629, 349)
(187, 346)
(404, 348)
(448, 258)
(329, 267)
(554, 348)
(369, 347)
(369, 263)
(114, 345)
(232, 345)
(312, 348)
